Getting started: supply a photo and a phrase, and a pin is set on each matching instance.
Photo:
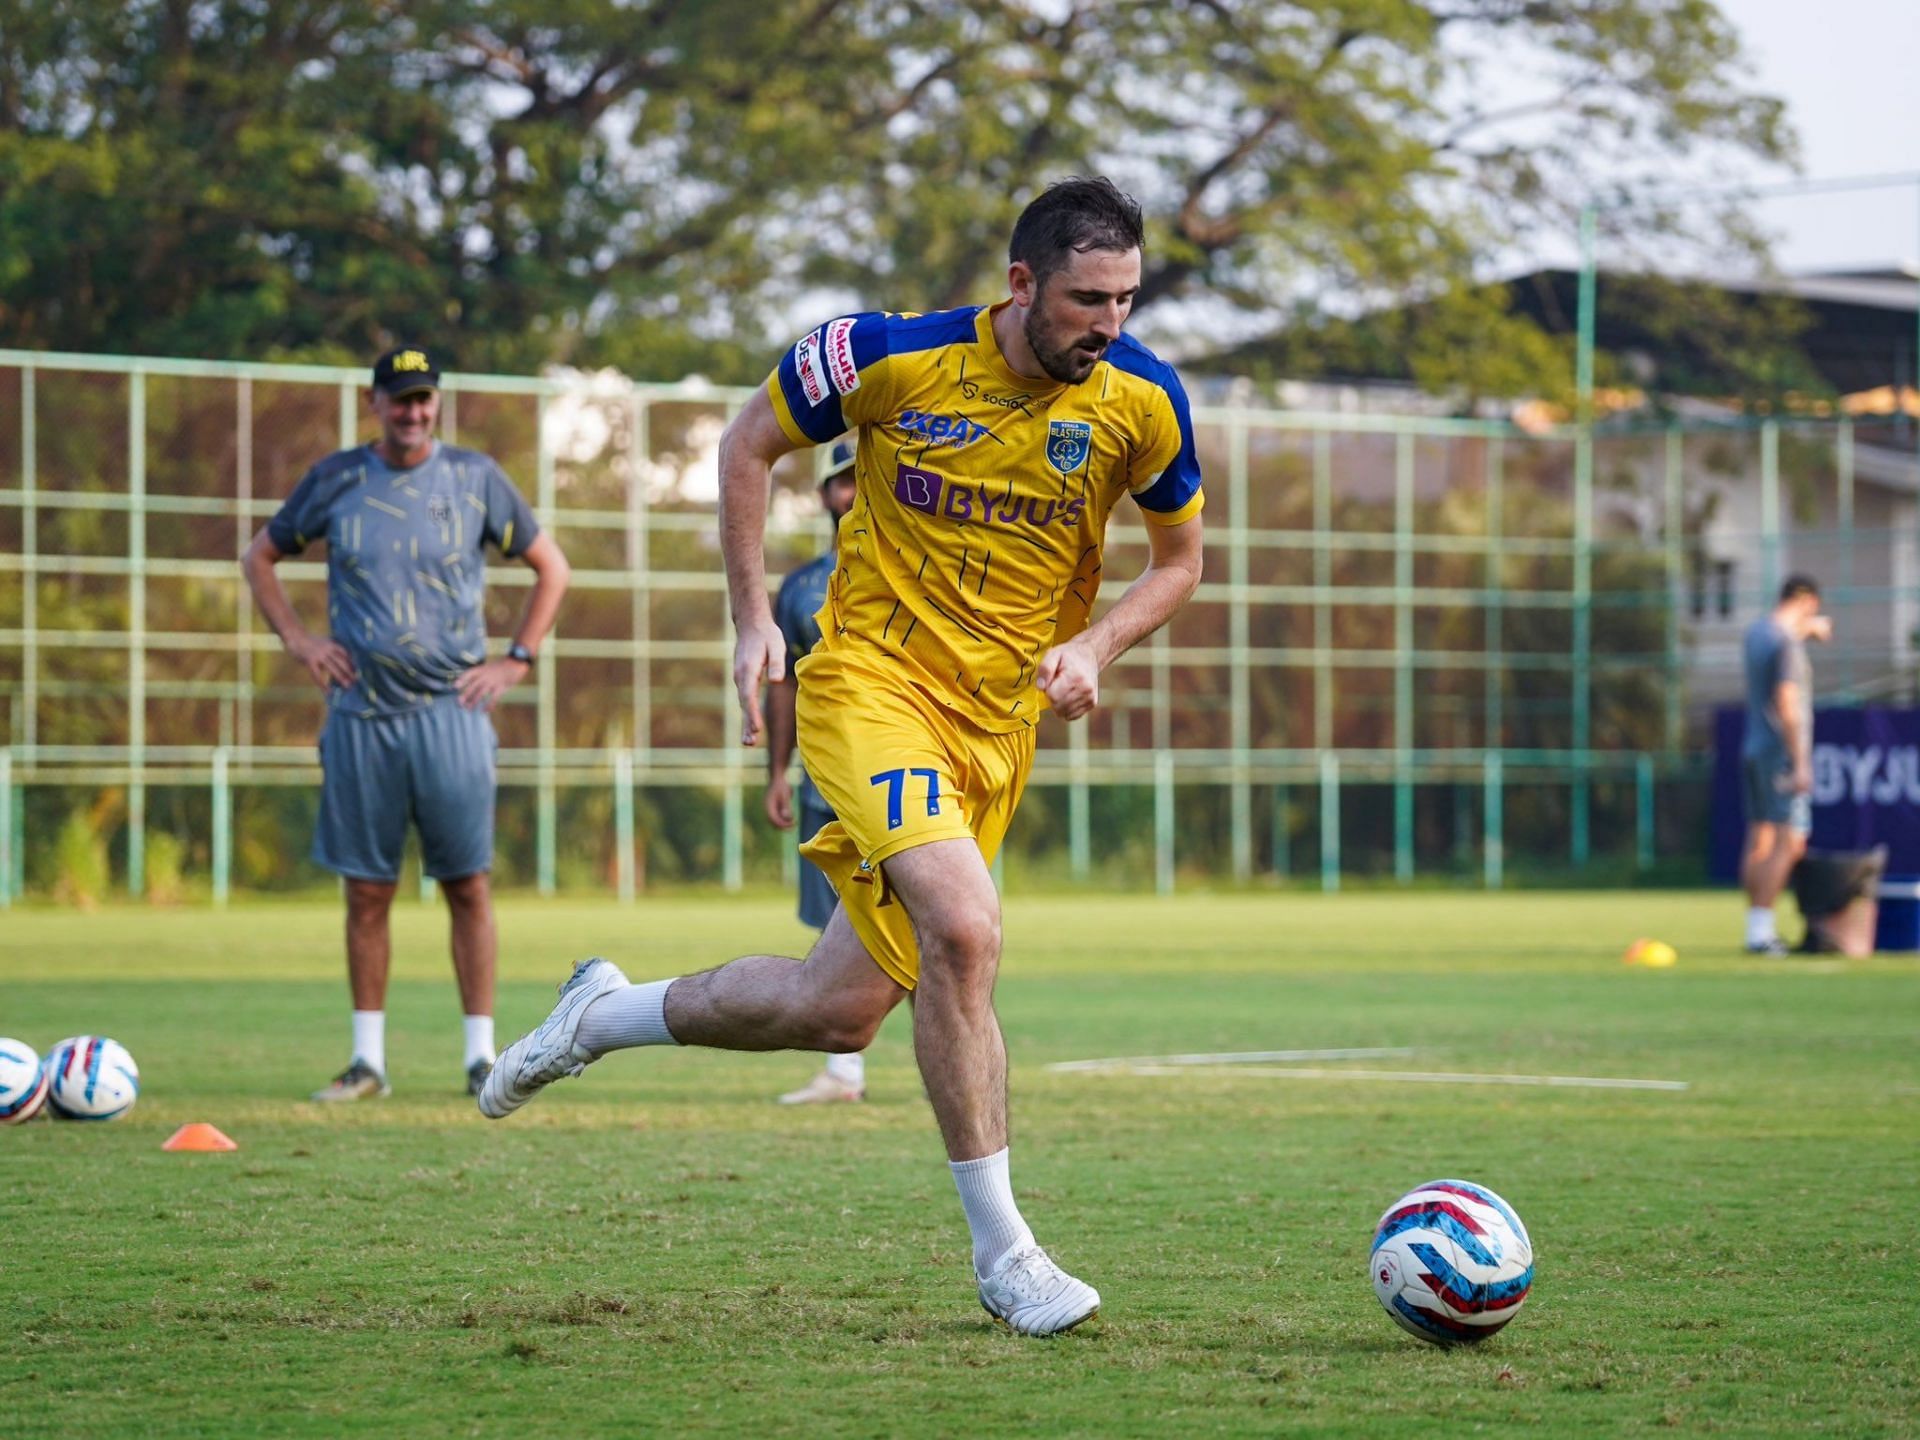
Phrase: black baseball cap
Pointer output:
(406, 369)
(839, 458)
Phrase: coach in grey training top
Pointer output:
(408, 683)
(1776, 756)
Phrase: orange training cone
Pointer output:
(198, 1136)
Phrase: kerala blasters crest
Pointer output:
(1068, 444)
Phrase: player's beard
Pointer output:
(1070, 363)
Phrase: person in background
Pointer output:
(795, 611)
(408, 736)
(1776, 757)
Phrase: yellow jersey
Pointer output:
(981, 496)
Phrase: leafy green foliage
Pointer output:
(662, 185)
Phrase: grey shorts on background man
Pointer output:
(817, 897)
(432, 767)
(1766, 784)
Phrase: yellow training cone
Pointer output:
(1655, 954)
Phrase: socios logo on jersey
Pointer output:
(1069, 442)
(952, 431)
(936, 495)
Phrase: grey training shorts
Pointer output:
(1766, 785)
(432, 768)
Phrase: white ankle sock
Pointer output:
(1760, 925)
(849, 1069)
(986, 1193)
(479, 1031)
(370, 1038)
(621, 1019)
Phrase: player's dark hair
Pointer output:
(1075, 215)
(1798, 585)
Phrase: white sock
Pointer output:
(479, 1030)
(1760, 925)
(370, 1038)
(986, 1193)
(621, 1019)
(849, 1069)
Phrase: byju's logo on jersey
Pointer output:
(1069, 442)
(933, 494)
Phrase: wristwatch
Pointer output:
(517, 651)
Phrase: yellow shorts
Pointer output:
(899, 770)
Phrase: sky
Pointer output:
(1849, 71)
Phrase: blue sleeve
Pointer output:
(302, 516)
(833, 379)
(510, 523)
(1173, 491)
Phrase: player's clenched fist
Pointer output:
(760, 652)
(1069, 676)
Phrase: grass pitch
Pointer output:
(657, 1248)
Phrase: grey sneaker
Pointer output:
(1775, 946)
(359, 1081)
(548, 1053)
(477, 1075)
(1034, 1296)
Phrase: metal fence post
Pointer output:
(222, 828)
(6, 828)
(137, 635)
(1239, 631)
(1163, 822)
(1282, 838)
(1329, 821)
(1079, 825)
(623, 824)
(1643, 811)
(730, 837)
(1403, 659)
(1493, 844)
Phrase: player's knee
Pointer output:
(368, 900)
(966, 941)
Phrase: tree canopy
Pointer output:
(672, 185)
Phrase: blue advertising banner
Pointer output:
(1866, 786)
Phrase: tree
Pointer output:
(673, 184)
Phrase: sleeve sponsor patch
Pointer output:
(846, 374)
(806, 364)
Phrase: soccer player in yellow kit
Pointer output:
(993, 444)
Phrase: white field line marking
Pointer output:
(1241, 1057)
(1420, 1077)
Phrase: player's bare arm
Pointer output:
(1070, 673)
(483, 685)
(1786, 699)
(748, 448)
(325, 659)
(782, 699)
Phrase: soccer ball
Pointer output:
(23, 1082)
(93, 1078)
(1451, 1262)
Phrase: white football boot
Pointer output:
(549, 1051)
(825, 1088)
(1033, 1296)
